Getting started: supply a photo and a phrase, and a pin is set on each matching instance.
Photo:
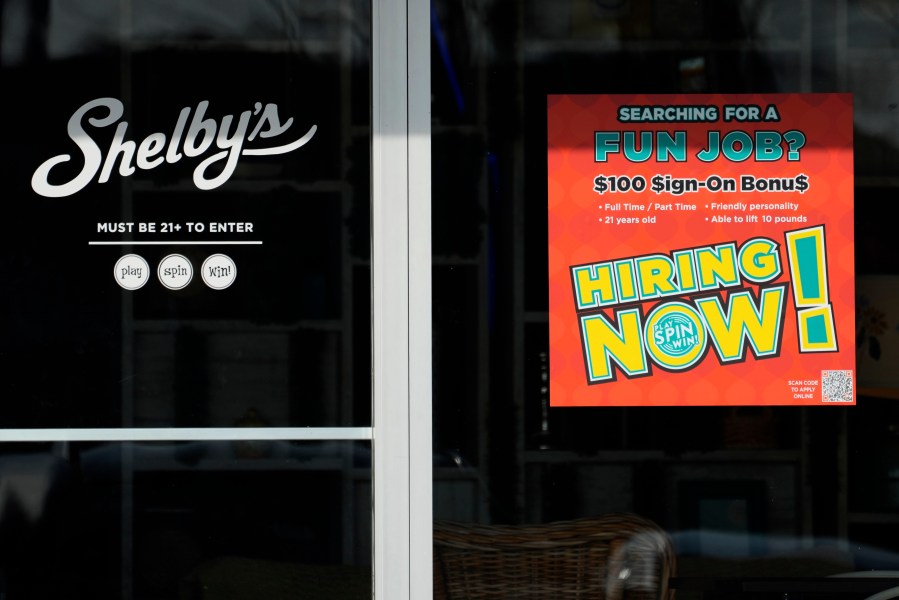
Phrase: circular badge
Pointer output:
(175, 271)
(676, 334)
(131, 271)
(218, 271)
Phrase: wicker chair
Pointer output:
(609, 557)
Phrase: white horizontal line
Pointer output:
(179, 243)
(147, 434)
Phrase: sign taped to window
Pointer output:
(701, 250)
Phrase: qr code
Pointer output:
(836, 386)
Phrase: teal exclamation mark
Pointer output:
(807, 252)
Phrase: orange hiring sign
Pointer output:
(701, 250)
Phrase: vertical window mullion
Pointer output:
(401, 299)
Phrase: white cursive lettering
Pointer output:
(191, 139)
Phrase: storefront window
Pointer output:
(185, 357)
(747, 494)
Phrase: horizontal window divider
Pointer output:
(165, 434)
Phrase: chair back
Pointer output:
(610, 557)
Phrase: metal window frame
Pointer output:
(401, 316)
(401, 302)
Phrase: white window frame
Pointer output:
(401, 301)
(401, 316)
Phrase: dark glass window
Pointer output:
(742, 492)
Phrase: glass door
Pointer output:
(198, 266)
(757, 489)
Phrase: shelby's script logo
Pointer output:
(199, 136)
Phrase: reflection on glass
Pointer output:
(185, 520)
(235, 133)
(774, 493)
